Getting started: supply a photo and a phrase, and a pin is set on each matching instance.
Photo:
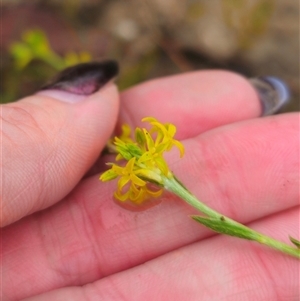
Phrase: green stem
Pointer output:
(173, 185)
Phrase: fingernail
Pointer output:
(273, 93)
(85, 78)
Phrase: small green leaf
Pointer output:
(222, 226)
(38, 42)
(295, 242)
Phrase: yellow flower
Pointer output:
(132, 176)
(126, 133)
(145, 162)
(128, 173)
(124, 136)
(165, 133)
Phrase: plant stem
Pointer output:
(173, 185)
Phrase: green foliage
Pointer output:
(221, 226)
(33, 63)
(34, 45)
(295, 242)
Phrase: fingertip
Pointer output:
(195, 101)
(273, 93)
(57, 143)
(102, 108)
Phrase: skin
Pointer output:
(64, 238)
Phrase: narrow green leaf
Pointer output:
(222, 226)
(295, 241)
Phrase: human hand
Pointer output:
(85, 247)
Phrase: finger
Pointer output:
(250, 167)
(195, 102)
(216, 268)
(198, 101)
(52, 138)
(88, 237)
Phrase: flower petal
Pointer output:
(121, 197)
(108, 175)
(123, 181)
(137, 181)
(149, 140)
(154, 194)
(179, 146)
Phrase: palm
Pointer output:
(247, 170)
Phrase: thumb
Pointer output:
(49, 140)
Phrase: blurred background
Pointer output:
(149, 38)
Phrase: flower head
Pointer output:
(145, 162)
